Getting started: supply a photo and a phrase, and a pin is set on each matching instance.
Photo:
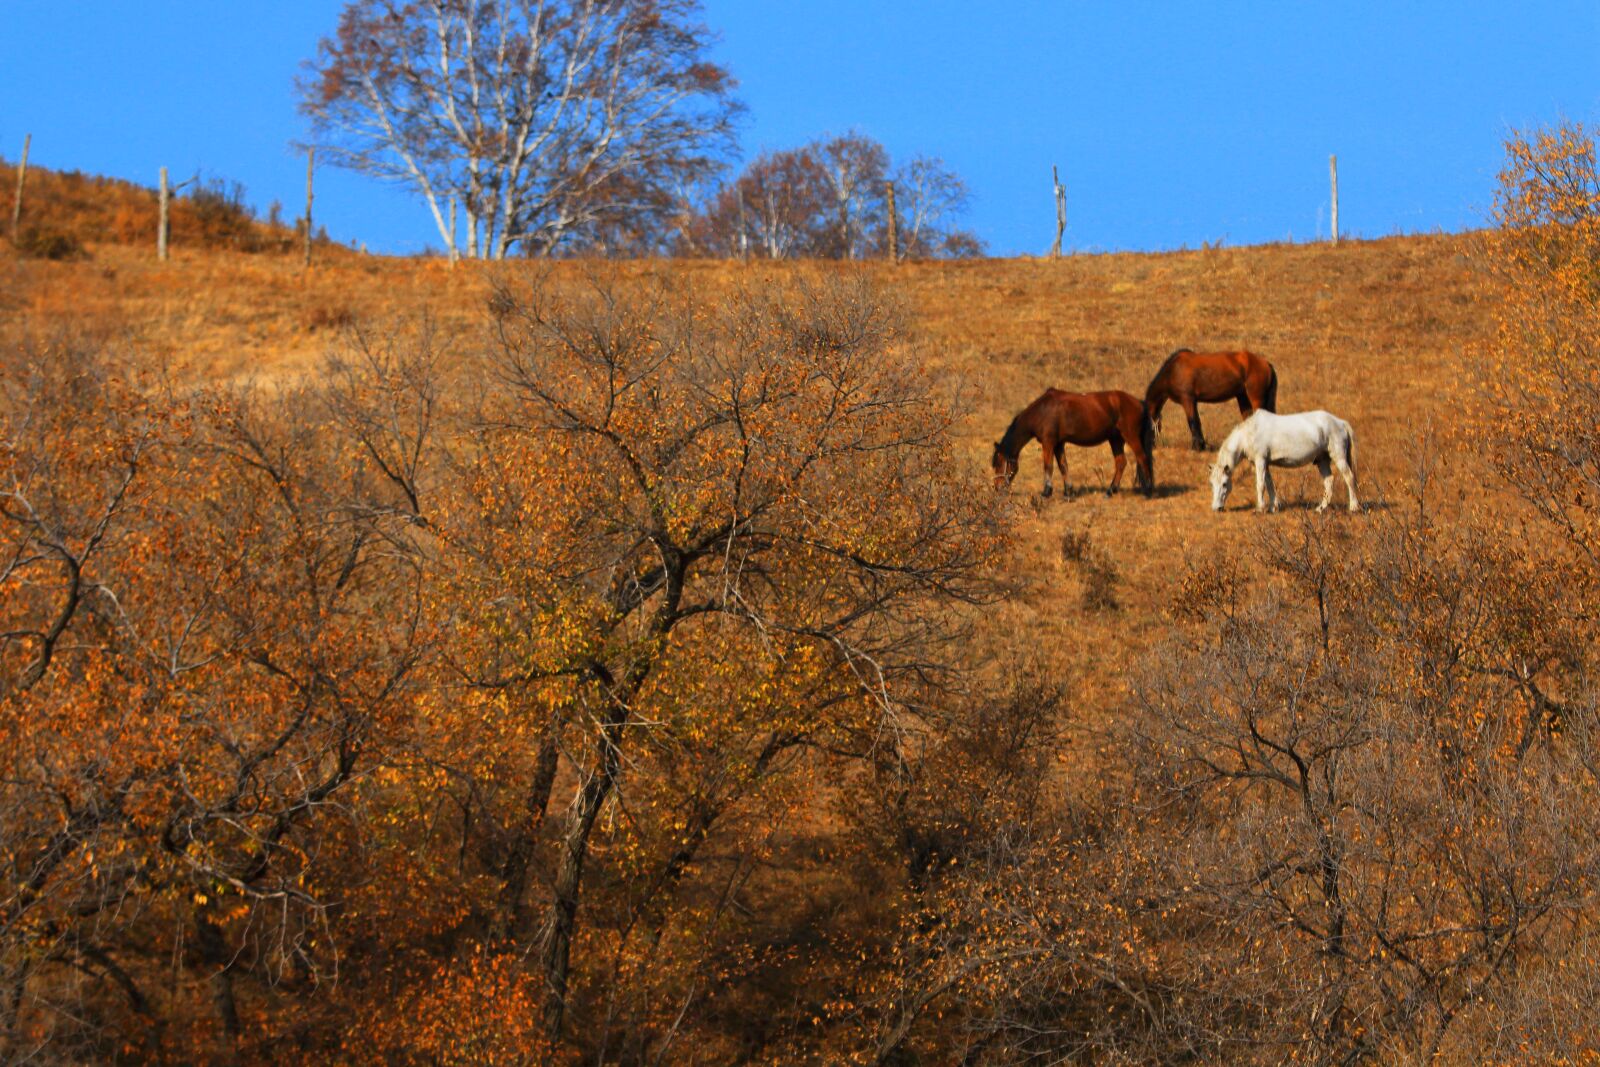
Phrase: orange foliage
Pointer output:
(609, 665)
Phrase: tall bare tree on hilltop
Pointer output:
(547, 121)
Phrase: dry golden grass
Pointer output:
(1375, 331)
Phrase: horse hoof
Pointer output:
(1047, 491)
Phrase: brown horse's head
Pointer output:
(1004, 466)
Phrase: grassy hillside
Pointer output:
(1375, 331)
(841, 904)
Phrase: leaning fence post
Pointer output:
(22, 178)
(161, 226)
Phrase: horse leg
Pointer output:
(1325, 468)
(1197, 437)
(1061, 463)
(1144, 470)
(1247, 407)
(1265, 495)
(1048, 447)
(1272, 490)
(1349, 475)
(1119, 461)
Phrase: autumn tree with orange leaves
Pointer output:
(1543, 371)
(523, 683)
(695, 545)
(212, 623)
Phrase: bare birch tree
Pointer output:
(931, 195)
(856, 167)
(543, 118)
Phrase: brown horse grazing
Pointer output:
(1193, 378)
(1059, 419)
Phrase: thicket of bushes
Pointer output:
(599, 688)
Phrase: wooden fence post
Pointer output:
(894, 252)
(161, 226)
(1333, 180)
(1061, 211)
(22, 178)
(311, 162)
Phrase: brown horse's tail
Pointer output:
(1270, 401)
(1147, 439)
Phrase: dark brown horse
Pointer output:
(1059, 419)
(1192, 378)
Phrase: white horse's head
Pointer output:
(1229, 456)
(1221, 483)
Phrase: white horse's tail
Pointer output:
(1350, 447)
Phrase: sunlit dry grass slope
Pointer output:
(1376, 331)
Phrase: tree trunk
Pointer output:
(215, 954)
(512, 910)
(569, 877)
(596, 789)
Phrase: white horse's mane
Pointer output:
(1237, 442)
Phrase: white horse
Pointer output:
(1269, 440)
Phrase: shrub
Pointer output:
(326, 316)
(44, 242)
(1098, 569)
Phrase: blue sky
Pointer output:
(1173, 123)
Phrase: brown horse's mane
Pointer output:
(1011, 442)
(1161, 375)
